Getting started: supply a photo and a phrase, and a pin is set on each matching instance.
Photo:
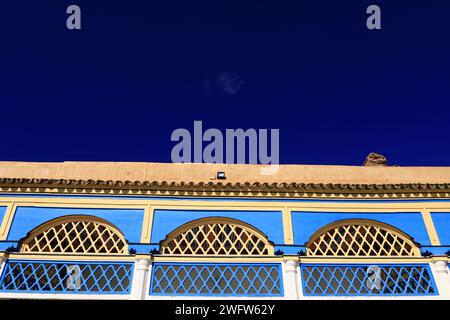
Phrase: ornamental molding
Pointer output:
(208, 189)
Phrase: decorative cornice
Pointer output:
(408, 190)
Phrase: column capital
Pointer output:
(291, 265)
(291, 279)
(440, 265)
(142, 263)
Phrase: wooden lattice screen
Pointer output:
(216, 236)
(75, 234)
(360, 238)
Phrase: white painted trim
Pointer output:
(63, 296)
(441, 274)
(373, 298)
(2, 264)
(210, 298)
(291, 280)
(146, 295)
(140, 275)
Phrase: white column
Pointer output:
(439, 266)
(290, 280)
(2, 264)
(139, 284)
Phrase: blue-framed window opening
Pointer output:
(217, 279)
(75, 277)
(368, 280)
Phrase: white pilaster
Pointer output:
(439, 267)
(290, 280)
(139, 283)
(2, 264)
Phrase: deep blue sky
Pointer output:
(139, 69)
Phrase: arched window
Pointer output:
(216, 236)
(75, 234)
(360, 238)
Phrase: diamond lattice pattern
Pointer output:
(357, 280)
(217, 239)
(76, 236)
(360, 240)
(64, 277)
(216, 279)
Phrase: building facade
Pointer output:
(186, 231)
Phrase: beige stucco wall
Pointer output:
(138, 171)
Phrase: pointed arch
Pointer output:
(361, 237)
(216, 236)
(75, 234)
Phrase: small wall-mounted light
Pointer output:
(221, 175)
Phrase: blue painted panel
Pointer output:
(436, 250)
(140, 248)
(268, 222)
(129, 221)
(224, 199)
(441, 222)
(2, 214)
(5, 245)
(306, 223)
(289, 248)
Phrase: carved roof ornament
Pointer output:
(375, 160)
